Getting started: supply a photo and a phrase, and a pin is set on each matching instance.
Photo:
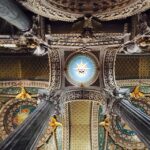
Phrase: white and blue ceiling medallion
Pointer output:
(82, 69)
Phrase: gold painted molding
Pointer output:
(24, 83)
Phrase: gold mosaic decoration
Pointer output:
(127, 67)
(80, 113)
(35, 68)
(144, 66)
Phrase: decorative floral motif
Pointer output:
(122, 134)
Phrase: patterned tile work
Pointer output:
(35, 68)
(144, 66)
(127, 67)
(80, 113)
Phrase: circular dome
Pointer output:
(82, 69)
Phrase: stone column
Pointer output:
(10, 12)
(27, 135)
(137, 120)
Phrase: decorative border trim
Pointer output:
(48, 10)
(120, 140)
(74, 40)
(6, 108)
(109, 67)
(133, 82)
(94, 126)
(54, 69)
(79, 95)
(138, 6)
(25, 83)
(58, 12)
(66, 128)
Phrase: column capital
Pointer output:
(53, 97)
(114, 96)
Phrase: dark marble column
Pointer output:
(10, 12)
(137, 120)
(27, 135)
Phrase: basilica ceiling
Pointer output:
(77, 64)
(70, 10)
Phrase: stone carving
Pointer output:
(114, 95)
(75, 95)
(58, 11)
(109, 68)
(55, 70)
(53, 96)
(143, 27)
(94, 125)
(25, 83)
(130, 9)
(88, 23)
(130, 47)
(75, 40)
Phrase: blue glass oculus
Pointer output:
(81, 69)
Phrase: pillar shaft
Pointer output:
(137, 120)
(10, 12)
(27, 135)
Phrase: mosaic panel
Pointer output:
(127, 68)
(144, 67)
(35, 68)
(80, 125)
(132, 67)
(121, 133)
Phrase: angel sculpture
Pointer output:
(41, 50)
(130, 47)
(87, 23)
(143, 26)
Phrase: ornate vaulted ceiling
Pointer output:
(69, 10)
(60, 39)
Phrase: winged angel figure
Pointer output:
(86, 25)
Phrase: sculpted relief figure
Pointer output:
(143, 27)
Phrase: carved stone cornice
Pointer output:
(74, 40)
(66, 128)
(68, 40)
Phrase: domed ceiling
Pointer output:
(70, 10)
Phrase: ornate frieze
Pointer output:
(55, 69)
(94, 126)
(78, 95)
(47, 9)
(109, 68)
(24, 83)
(66, 128)
(130, 9)
(70, 11)
(75, 40)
